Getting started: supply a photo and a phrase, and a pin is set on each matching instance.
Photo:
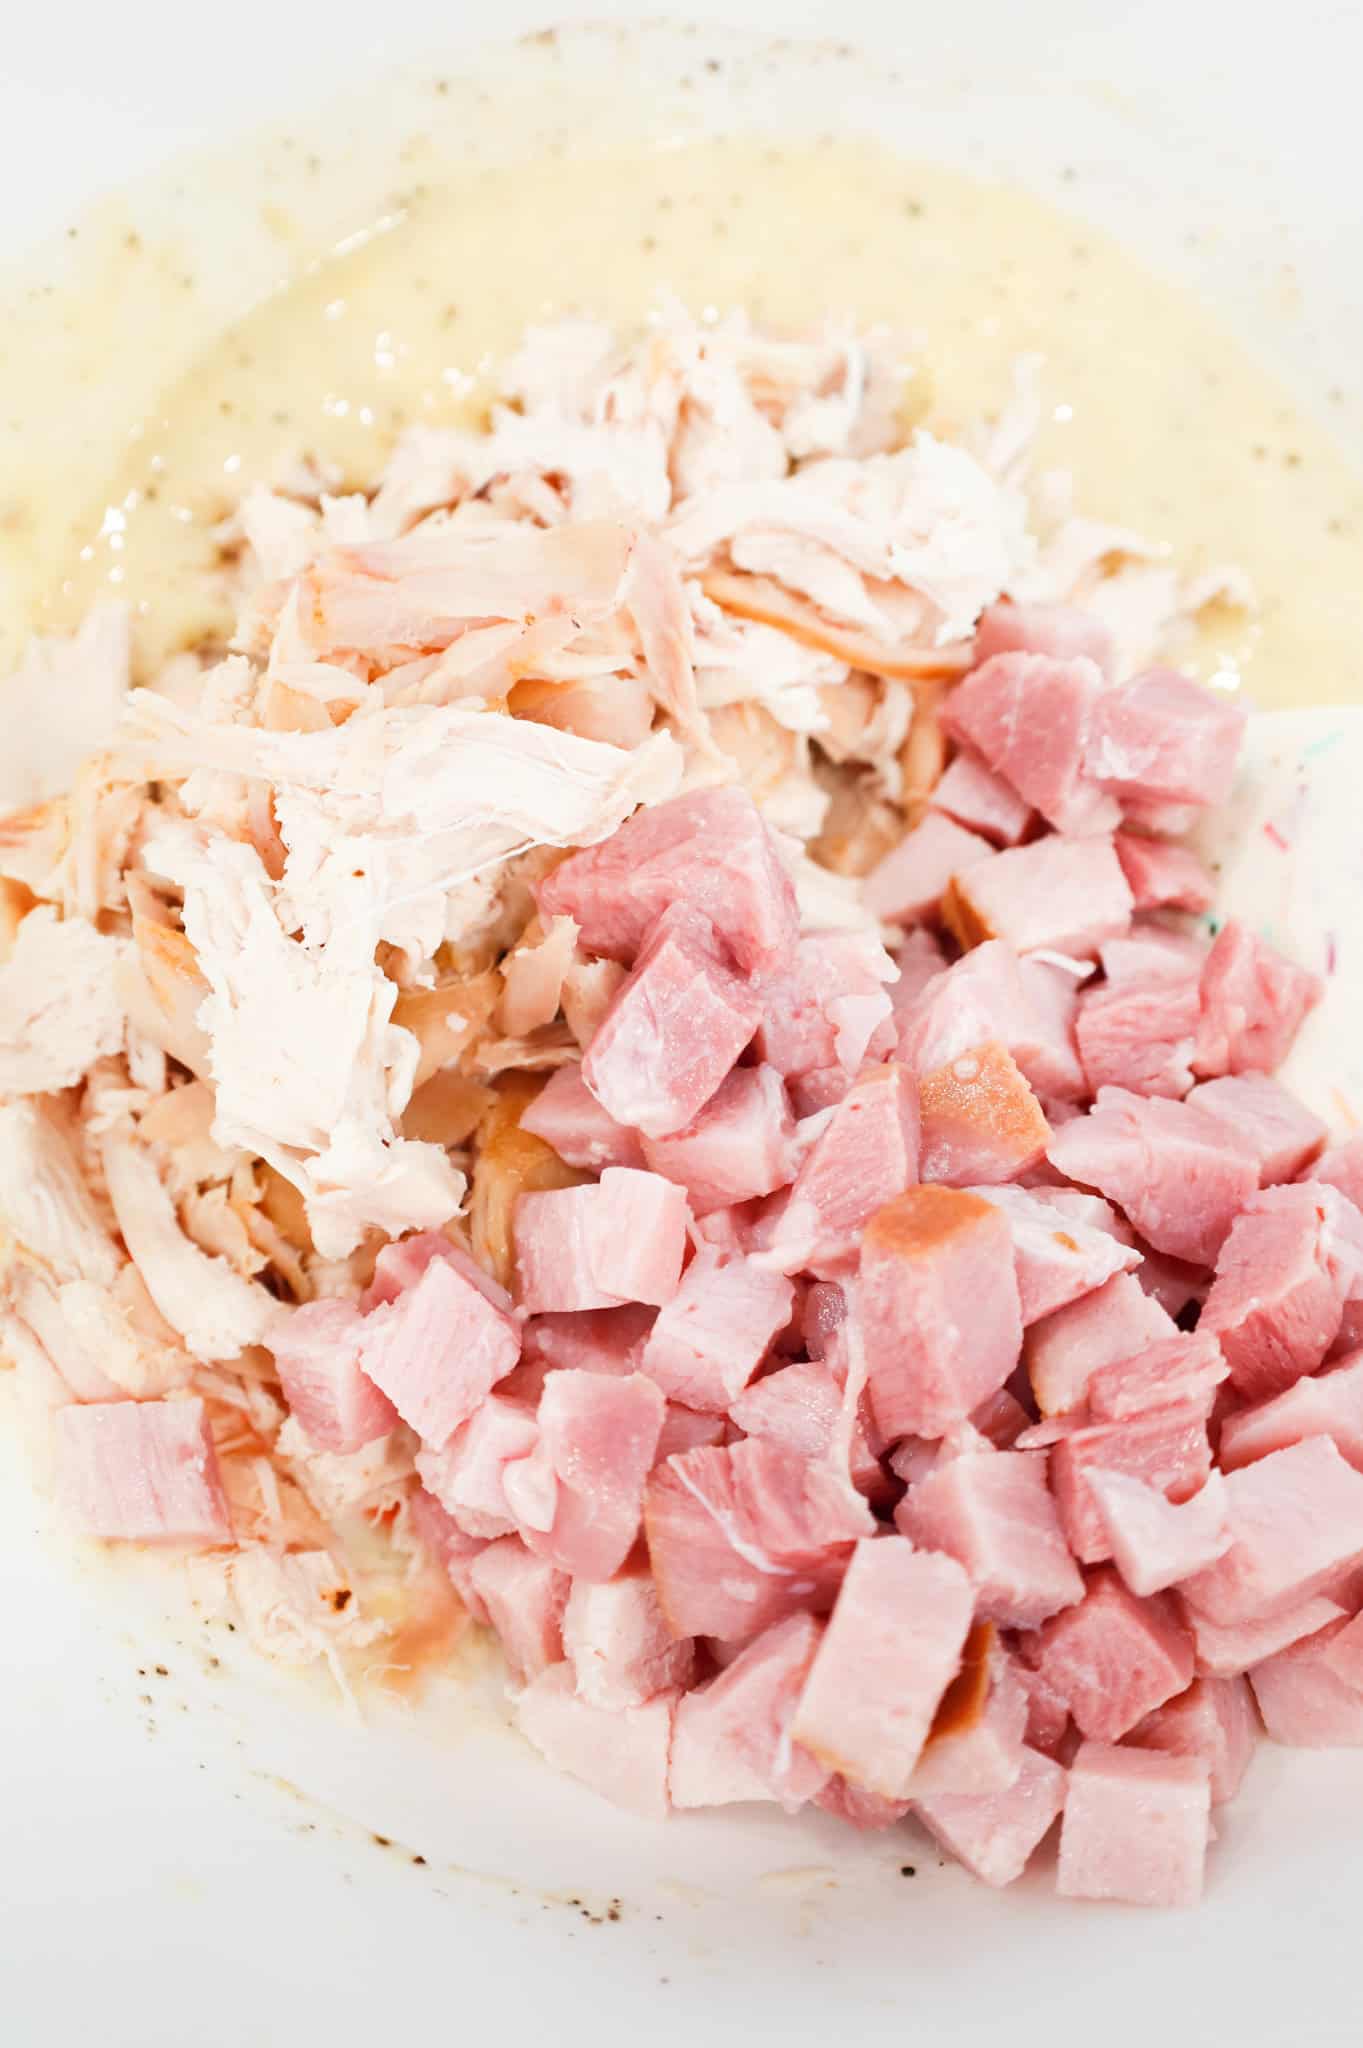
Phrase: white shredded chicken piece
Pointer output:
(298, 1607)
(62, 704)
(46, 1203)
(60, 1009)
(337, 1482)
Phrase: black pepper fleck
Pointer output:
(908, 1870)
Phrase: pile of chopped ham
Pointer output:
(645, 1044)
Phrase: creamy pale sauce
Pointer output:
(1165, 422)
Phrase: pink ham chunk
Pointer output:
(1346, 1653)
(141, 1472)
(1166, 1448)
(995, 1834)
(1253, 1004)
(1151, 952)
(438, 1351)
(973, 796)
(674, 1030)
(1141, 1037)
(989, 994)
(449, 1547)
(596, 1340)
(1284, 1133)
(317, 1350)
(1216, 1720)
(621, 1752)
(1164, 877)
(942, 1325)
(742, 1536)
(1154, 1541)
(1136, 1827)
(920, 959)
(740, 1146)
(1059, 1258)
(1296, 1517)
(831, 1006)
(865, 1811)
(980, 1119)
(1029, 716)
(1164, 739)
(1306, 1700)
(1066, 895)
(1181, 1175)
(1067, 1349)
(1293, 1257)
(524, 1598)
(621, 1650)
(1226, 1652)
(994, 1514)
(598, 1439)
(466, 1476)
(1114, 1658)
(1174, 1369)
(975, 1746)
(1342, 1167)
(867, 1154)
(891, 1649)
(1047, 1052)
(908, 884)
(1059, 630)
(686, 1429)
(733, 1739)
(709, 849)
(622, 1240)
(799, 1409)
(714, 1333)
(568, 1116)
(1329, 1404)
(401, 1264)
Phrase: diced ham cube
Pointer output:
(1114, 1658)
(908, 884)
(1215, 1719)
(867, 1154)
(595, 1340)
(524, 1598)
(1253, 1004)
(980, 1119)
(1136, 1827)
(808, 1019)
(1154, 1541)
(685, 1429)
(1164, 877)
(865, 1811)
(1305, 1700)
(994, 1834)
(1284, 1133)
(621, 1752)
(1181, 1174)
(1345, 1653)
(739, 1146)
(1342, 1167)
(714, 1333)
(1164, 739)
(981, 997)
(568, 1116)
(438, 1351)
(1227, 1652)
(1049, 1727)
(599, 1437)
(1293, 1256)
(975, 1744)
(1139, 1037)
(674, 1030)
(1297, 1520)
(1059, 1258)
(994, 1514)
(824, 1311)
(981, 801)
(1166, 1449)
(1029, 716)
(1066, 895)
(799, 1409)
(1068, 1348)
(733, 1738)
(1059, 630)
(317, 1350)
(1329, 1404)
(401, 1264)
(892, 1647)
(1176, 1369)
(1046, 1050)
(621, 1650)
(942, 1326)
(466, 1476)
(741, 1537)
(709, 849)
(141, 1472)
(1151, 952)
(449, 1547)
(622, 1240)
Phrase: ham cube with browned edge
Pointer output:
(1066, 895)
(733, 1738)
(1181, 1174)
(891, 1649)
(1136, 1827)
(1293, 1257)
(1029, 716)
(317, 1350)
(1114, 1658)
(141, 1472)
(993, 1512)
(980, 1119)
(939, 1304)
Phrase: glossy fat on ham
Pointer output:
(939, 1309)
(733, 1736)
(1058, 630)
(709, 849)
(1296, 1517)
(1058, 1257)
(1029, 716)
(995, 1834)
(1162, 738)
(831, 1007)
(620, 1752)
(568, 1116)
(1154, 1541)
(1305, 1699)
(739, 1146)
(974, 797)
(317, 1351)
(1114, 1658)
(621, 1649)
(1064, 895)
(1181, 1174)
(980, 1119)
(622, 1240)
(1165, 1448)
(524, 1597)
(1214, 1719)
(438, 1350)
(141, 1472)
(714, 1333)
(1066, 1349)
(1328, 1404)
(1136, 1827)
(1254, 1002)
(908, 884)
(994, 1514)
(1292, 1258)
(1286, 1136)
(866, 1154)
(892, 1647)
(1139, 1037)
(598, 1440)
(673, 1031)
